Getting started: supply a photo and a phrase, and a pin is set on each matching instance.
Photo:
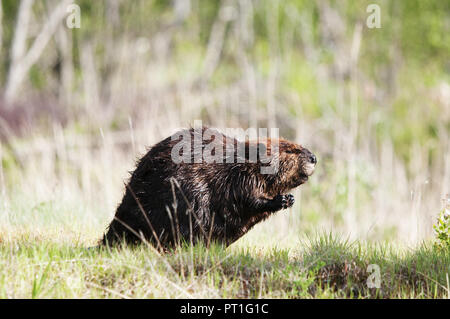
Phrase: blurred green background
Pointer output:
(79, 105)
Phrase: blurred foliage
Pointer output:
(401, 70)
(399, 62)
(442, 229)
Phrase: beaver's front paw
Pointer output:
(285, 201)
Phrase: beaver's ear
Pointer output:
(255, 151)
(262, 149)
(250, 151)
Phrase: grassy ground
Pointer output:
(371, 103)
(44, 254)
(322, 267)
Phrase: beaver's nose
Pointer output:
(312, 159)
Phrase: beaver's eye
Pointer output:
(293, 151)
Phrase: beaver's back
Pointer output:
(176, 198)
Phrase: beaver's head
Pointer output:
(295, 164)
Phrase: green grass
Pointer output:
(379, 126)
(322, 267)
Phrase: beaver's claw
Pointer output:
(285, 201)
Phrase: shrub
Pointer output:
(442, 227)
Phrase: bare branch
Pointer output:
(217, 38)
(21, 63)
(20, 35)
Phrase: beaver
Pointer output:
(169, 201)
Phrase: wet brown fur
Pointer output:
(166, 203)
